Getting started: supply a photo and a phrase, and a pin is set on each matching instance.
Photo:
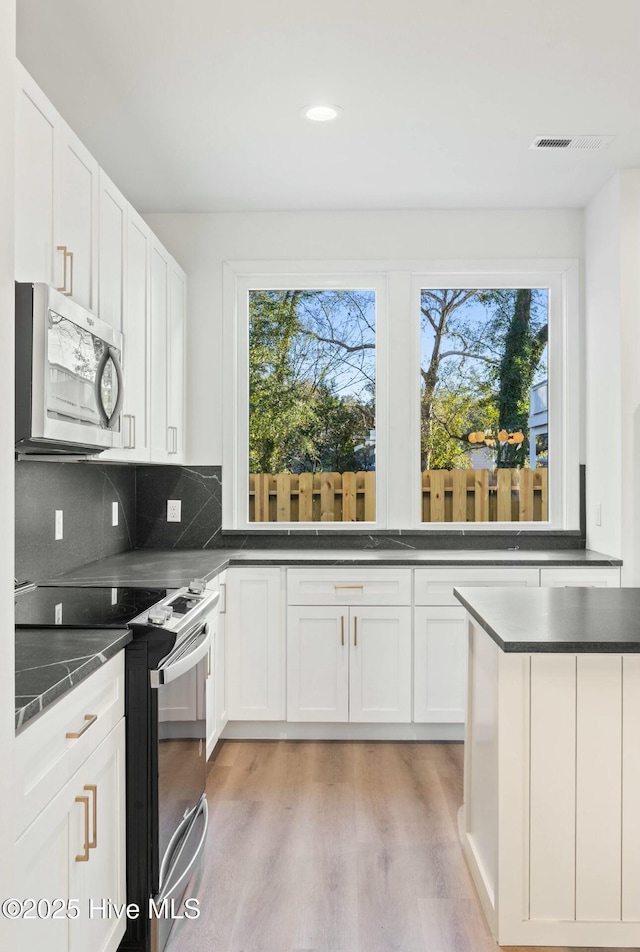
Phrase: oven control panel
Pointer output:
(179, 610)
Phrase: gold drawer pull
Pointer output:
(92, 788)
(84, 857)
(89, 719)
(348, 586)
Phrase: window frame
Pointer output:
(398, 285)
(236, 446)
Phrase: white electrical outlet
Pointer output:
(174, 510)
(58, 613)
(114, 596)
(114, 513)
(58, 525)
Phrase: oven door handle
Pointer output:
(169, 671)
(169, 886)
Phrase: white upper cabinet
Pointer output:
(160, 265)
(57, 197)
(176, 360)
(136, 410)
(112, 254)
(36, 121)
(77, 232)
(75, 222)
(168, 304)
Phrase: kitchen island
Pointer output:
(551, 821)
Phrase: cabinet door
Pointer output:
(136, 354)
(380, 665)
(103, 877)
(36, 120)
(176, 358)
(220, 671)
(210, 686)
(318, 664)
(160, 264)
(76, 219)
(112, 256)
(42, 869)
(255, 645)
(75, 849)
(439, 665)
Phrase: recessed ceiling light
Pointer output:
(321, 113)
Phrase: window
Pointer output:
(484, 421)
(385, 395)
(312, 405)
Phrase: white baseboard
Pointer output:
(284, 730)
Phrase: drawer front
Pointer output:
(349, 586)
(435, 586)
(45, 757)
(566, 578)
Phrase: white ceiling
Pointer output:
(194, 106)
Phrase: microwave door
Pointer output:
(74, 366)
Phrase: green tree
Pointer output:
(525, 339)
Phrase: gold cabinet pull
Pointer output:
(355, 631)
(63, 249)
(131, 439)
(70, 291)
(84, 857)
(342, 630)
(348, 586)
(92, 788)
(89, 720)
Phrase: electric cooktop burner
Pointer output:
(62, 607)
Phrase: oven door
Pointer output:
(180, 682)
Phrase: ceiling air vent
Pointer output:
(571, 142)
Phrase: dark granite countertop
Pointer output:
(580, 620)
(50, 661)
(175, 567)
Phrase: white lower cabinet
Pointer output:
(255, 644)
(349, 664)
(439, 664)
(75, 851)
(317, 663)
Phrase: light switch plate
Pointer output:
(58, 532)
(174, 510)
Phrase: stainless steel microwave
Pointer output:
(68, 376)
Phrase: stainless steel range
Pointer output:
(166, 670)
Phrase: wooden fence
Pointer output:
(459, 495)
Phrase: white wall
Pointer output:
(612, 391)
(202, 242)
(7, 62)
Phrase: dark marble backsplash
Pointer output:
(200, 490)
(84, 491)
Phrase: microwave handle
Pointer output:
(109, 421)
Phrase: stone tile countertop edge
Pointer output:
(171, 568)
(50, 662)
(575, 620)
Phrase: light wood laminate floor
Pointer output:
(335, 847)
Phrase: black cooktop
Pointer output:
(50, 607)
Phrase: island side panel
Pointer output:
(631, 788)
(481, 782)
(552, 808)
(599, 788)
